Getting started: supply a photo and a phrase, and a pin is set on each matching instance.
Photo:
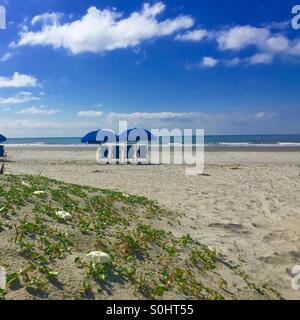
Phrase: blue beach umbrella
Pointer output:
(99, 137)
(136, 135)
(2, 138)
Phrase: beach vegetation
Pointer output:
(131, 237)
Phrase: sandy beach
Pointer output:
(246, 204)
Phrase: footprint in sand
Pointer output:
(295, 254)
(276, 259)
(283, 258)
(232, 227)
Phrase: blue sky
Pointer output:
(70, 66)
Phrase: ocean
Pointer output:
(221, 140)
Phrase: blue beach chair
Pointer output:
(3, 155)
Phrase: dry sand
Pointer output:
(247, 204)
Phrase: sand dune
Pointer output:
(247, 203)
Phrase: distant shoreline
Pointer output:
(208, 148)
(216, 142)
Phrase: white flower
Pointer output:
(125, 195)
(25, 184)
(64, 215)
(37, 193)
(98, 257)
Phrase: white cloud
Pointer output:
(40, 124)
(240, 37)
(6, 57)
(52, 18)
(143, 116)
(140, 117)
(233, 62)
(268, 43)
(104, 30)
(209, 62)
(278, 25)
(21, 97)
(38, 111)
(258, 58)
(213, 123)
(18, 81)
(276, 44)
(90, 114)
(194, 35)
(296, 48)
(265, 115)
(261, 58)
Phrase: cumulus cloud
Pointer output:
(276, 44)
(265, 41)
(19, 98)
(18, 81)
(209, 62)
(90, 114)
(193, 35)
(240, 37)
(100, 30)
(38, 111)
(269, 42)
(103, 30)
(261, 58)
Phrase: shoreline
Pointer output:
(249, 148)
